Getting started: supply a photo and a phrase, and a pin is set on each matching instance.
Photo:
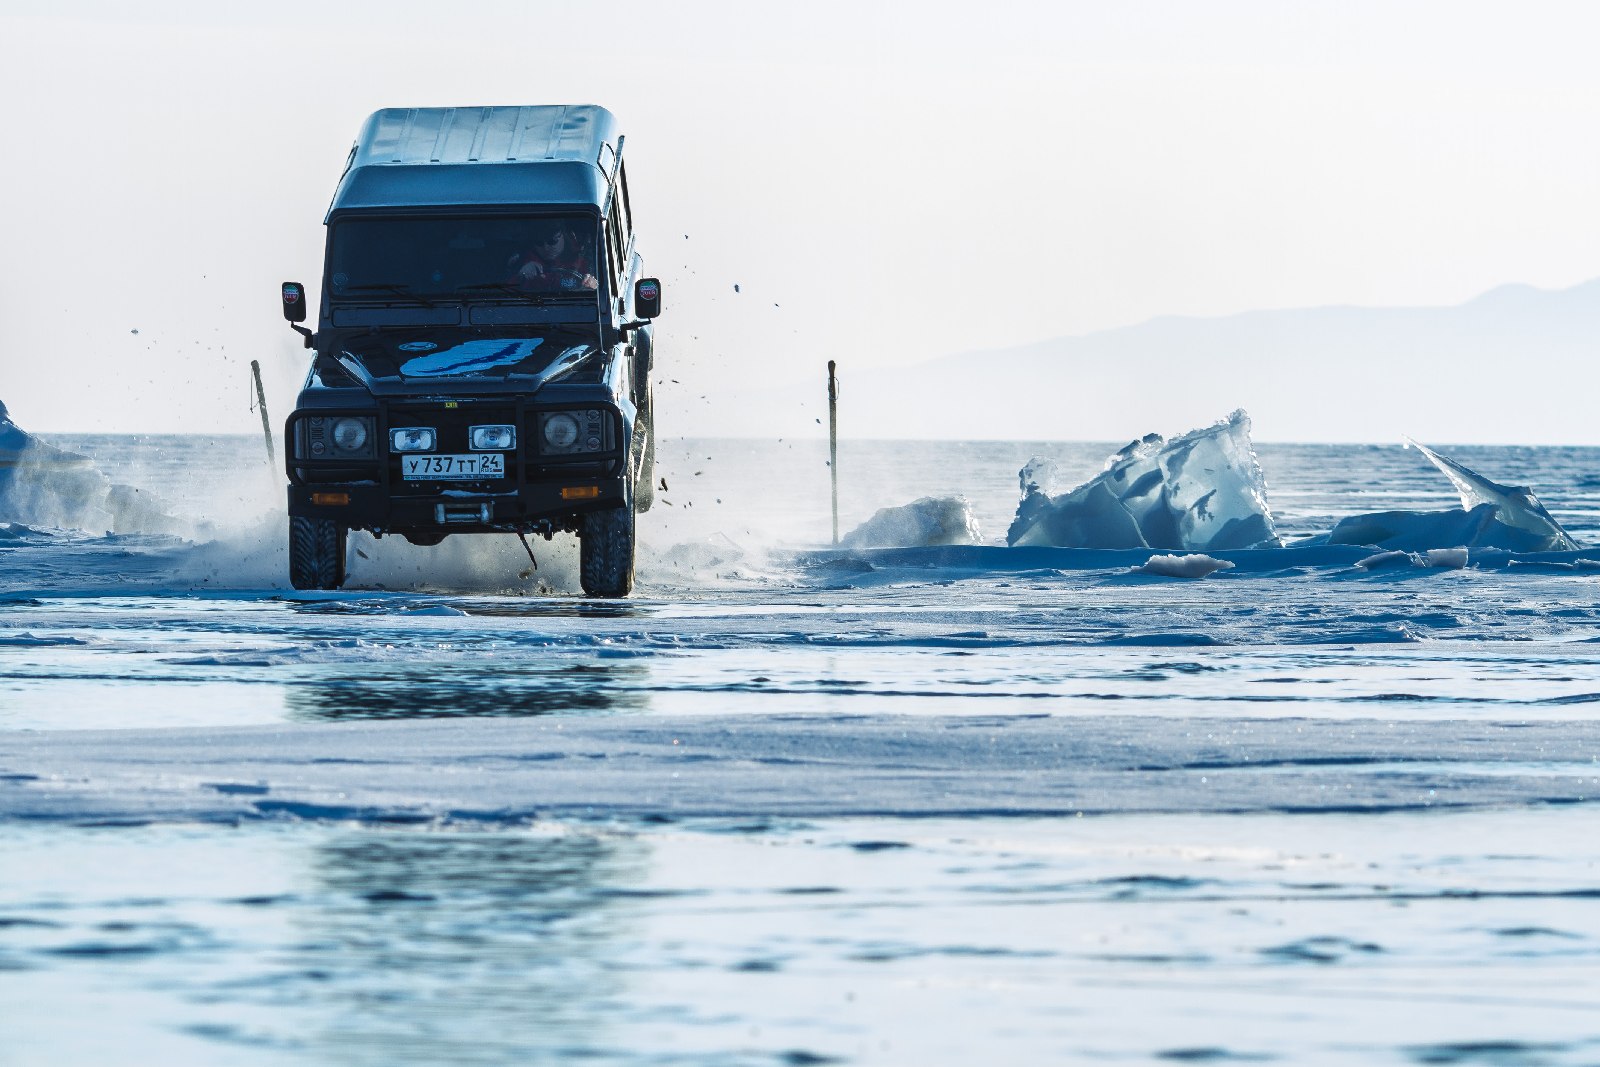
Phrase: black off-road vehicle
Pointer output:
(483, 352)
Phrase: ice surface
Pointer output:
(1199, 492)
(263, 826)
(1191, 566)
(512, 771)
(925, 521)
(1514, 505)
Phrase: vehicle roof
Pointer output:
(538, 155)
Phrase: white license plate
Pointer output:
(442, 468)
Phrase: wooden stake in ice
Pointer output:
(266, 423)
(833, 442)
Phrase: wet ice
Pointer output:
(932, 804)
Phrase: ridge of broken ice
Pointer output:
(1419, 531)
(41, 485)
(1491, 516)
(1514, 505)
(1202, 491)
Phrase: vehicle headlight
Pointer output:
(412, 439)
(560, 432)
(494, 438)
(336, 437)
(350, 435)
(568, 433)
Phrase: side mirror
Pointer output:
(646, 298)
(294, 301)
(294, 308)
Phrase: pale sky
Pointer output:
(886, 183)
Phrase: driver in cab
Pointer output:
(555, 262)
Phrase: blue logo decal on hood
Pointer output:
(418, 346)
(470, 358)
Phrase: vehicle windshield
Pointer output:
(473, 258)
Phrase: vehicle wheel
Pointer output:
(316, 553)
(605, 552)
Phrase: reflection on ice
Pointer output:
(438, 691)
(1203, 491)
(946, 941)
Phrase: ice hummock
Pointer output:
(1491, 516)
(925, 522)
(18, 445)
(1514, 505)
(41, 485)
(1200, 492)
(1418, 531)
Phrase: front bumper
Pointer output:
(537, 493)
(526, 508)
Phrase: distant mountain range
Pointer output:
(1515, 365)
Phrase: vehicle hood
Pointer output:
(390, 365)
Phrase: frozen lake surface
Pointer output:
(791, 806)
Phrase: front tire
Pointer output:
(605, 552)
(316, 553)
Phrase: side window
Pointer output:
(626, 218)
(613, 254)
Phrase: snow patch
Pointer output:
(1438, 558)
(1196, 565)
(1392, 558)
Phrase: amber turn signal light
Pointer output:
(330, 499)
(579, 492)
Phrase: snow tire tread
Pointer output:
(316, 553)
(605, 552)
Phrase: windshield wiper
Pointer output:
(390, 287)
(492, 287)
(536, 297)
